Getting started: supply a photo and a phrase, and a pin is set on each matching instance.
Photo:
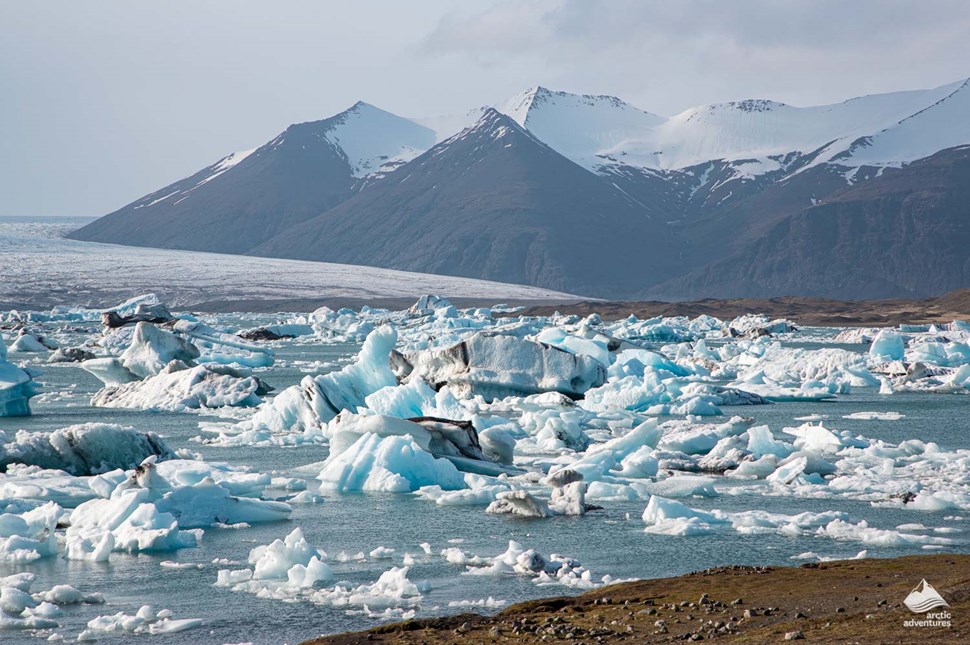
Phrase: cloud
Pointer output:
(678, 54)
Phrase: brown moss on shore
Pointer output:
(852, 601)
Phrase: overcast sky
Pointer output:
(104, 101)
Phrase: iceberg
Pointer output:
(149, 512)
(16, 387)
(495, 366)
(85, 449)
(145, 621)
(177, 389)
(391, 463)
(887, 346)
(28, 343)
(29, 536)
(669, 517)
(307, 407)
(152, 349)
(556, 569)
(291, 559)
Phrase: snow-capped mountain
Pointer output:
(496, 202)
(722, 176)
(247, 197)
(590, 130)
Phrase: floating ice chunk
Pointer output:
(133, 522)
(697, 439)
(21, 611)
(347, 389)
(496, 366)
(669, 517)
(207, 503)
(887, 346)
(27, 343)
(29, 536)
(557, 569)
(811, 555)
(152, 349)
(682, 485)
(756, 469)
(110, 371)
(147, 513)
(479, 496)
(392, 587)
(145, 621)
(309, 575)
(639, 464)
(518, 502)
(181, 566)
(223, 348)
(761, 443)
(16, 387)
(230, 578)
(84, 449)
(756, 325)
(390, 464)
(568, 497)
(68, 595)
(815, 438)
(595, 348)
(604, 492)
(840, 529)
(754, 522)
(941, 501)
(497, 445)
(182, 389)
(600, 459)
(788, 471)
(874, 416)
(484, 603)
(291, 559)
(307, 407)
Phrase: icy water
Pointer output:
(610, 541)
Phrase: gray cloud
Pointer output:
(667, 56)
(104, 101)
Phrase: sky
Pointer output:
(104, 101)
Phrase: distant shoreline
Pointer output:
(830, 602)
(803, 310)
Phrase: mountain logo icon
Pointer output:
(924, 598)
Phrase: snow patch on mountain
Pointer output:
(590, 130)
(757, 136)
(373, 139)
(944, 124)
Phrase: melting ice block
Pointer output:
(887, 346)
(495, 366)
(85, 449)
(669, 517)
(16, 387)
(392, 463)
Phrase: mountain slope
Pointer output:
(247, 198)
(496, 203)
(905, 232)
(528, 190)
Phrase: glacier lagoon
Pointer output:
(610, 541)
